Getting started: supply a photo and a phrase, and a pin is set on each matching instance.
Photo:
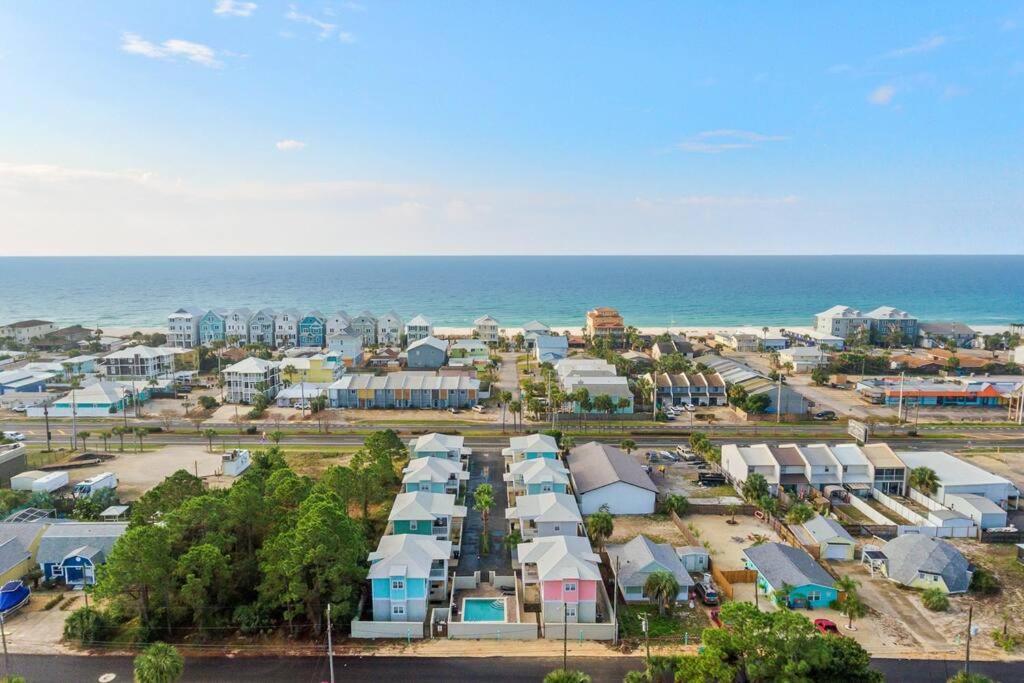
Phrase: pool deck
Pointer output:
(486, 591)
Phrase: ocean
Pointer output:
(558, 290)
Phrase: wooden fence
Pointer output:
(782, 529)
(684, 530)
(718, 509)
(725, 579)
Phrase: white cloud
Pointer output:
(234, 8)
(171, 49)
(724, 140)
(346, 37)
(926, 45)
(882, 95)
(327, 29)
(289, 145)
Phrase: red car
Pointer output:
(826, 627)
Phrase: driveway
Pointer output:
(485, 467)
(508, 375)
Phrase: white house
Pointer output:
(822, 467)
(236, 326)
(140, 362)
(389, 328)
(486, 329)
(338, 322)
(418, 328)
(739, 462)
(183, 327)
(530, 447)
(604, 475)
(261, 327)
(545, 514)
(438, 446)
(248, 377)
(803, 358)
(286, 328)
(365, 325)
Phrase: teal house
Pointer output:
(434, 475)
(407, 573)
(438, 446)
(539, 475)
(212, 326)
(427, 514)
(779, 565)
(530, 447)
(312, 330)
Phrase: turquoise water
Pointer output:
(483, 609)
(558, 290)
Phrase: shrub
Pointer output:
(251, 429)
(159, 663)
(935, 600)
(984, 582)
(1008, 641)
(53, 602)
(86, 625)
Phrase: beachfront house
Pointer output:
(779, 565)
(25, 331)
(636, 560)
(236, 326)
(183, 327)
(564, 569)
(211, 326)
(418, 328)
(312, 330)
(365, 325)
(433, 475)
(407, 572)
(286, 328)
(261, 327)
(436, 445)
(389, 328)
(486, 329)
(428, 514)
(957, 477)
(605, 322)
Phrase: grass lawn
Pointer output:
(713, 492)
(680, 621)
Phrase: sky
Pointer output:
(190, 127)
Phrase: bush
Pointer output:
(159, 663)
(87, 625)
(984, 582)
(252, 619)
(935, 600)
(1008, 641)
(53, 602)
(251, 429)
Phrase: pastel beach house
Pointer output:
(427, 514)
(486, 329)
(530, 447)
(418, 328)
(778, 565)
(434, 475)
(545, 514)
(636, 560)
(436, 445)
(540, 475)
(406, 573)
(212, 326)
(562, 573)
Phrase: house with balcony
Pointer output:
(389, 329)
(365, 325)
(317, 368)
(436, 445)
(887, 322)
(856, 468)
(469, 352)
(841, 321)
(24, 331)
(247, 378)
(427, 514)
(312, 329)
(562, 573)
(404, 390)
(545, 514)
(212, 326)
(434, 475)
(486, 329)
(530, 447)
(338, 322)
(689, 388)
(286, 328)
(418, 328)
(604, 321)
(888, 473)
(236, 326)
(140, 362)
(739, 462)
(532, 330)
(540, 475)
(550, 348)
(183, 327)
(408, 572)
(346, 349)
(792, 470)
(822, 467)
(261, 327)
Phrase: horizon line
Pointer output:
(493, 255)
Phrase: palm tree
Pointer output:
(566, 676)
(210, 434)
(105, 435)
(289, 373)
(503, 398)
(853, 607)
(662, 587)
(516, 408)
(84, 436)
(276, 436)
(512, 540)
(159, 663)
(568, 443)
(924, 479)
(601, 526)
(140, 434)
(627, 445)
(483, 501)
(642, 385)
(120, 432)
(782, 595)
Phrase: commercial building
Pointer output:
(960, 391)
(236, 326)
(781, 398)
(603, 475)
(958, 477)
(312, 330)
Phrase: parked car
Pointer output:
(825, 415)
(707, 593)
(690, 408)
(301, 406)
(646, 468)
(478, 409)
(826, 627)
(453, 411)
(667, 456)
(14, 436)
(19, 408)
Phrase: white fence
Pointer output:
(900, 509)
(927, 526)
(492, 631)
(410, 630)
(924, 500)
(579, 632)
(939, 531)
(466, 582)
(870, 512)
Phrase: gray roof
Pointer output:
(946, 329)
(821, 529)
(61, 538)
(912, 553)
(595, 465)
(636, 557)
(11, 553)
(783, 564)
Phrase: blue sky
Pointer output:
(212, 126)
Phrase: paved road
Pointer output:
(47, 668)
(485, 467)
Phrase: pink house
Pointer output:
(565, 569)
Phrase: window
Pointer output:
(398, 610)
(570, 587)
(397, 585)
(813, 596)
(57, 570)
(570, 611)
(413, 524)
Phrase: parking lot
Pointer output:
(139, 472)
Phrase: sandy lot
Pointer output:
(728, 541)
(658, 528)
(139, 472)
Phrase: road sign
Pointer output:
(859, 430)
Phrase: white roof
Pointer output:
(485, 320)
(435, 442)
(425, 505)
(302, 390)
(414, 553)
(469, 345)
(889, 313)
(429, 340)
(758, 455)
(98, 392)
(849, 454)
(545, 507)
(419, 321)
(251, 365)
(539, 470)
(416, 381)
(841, 312)
(584, 366)
(950, 469)
(561, 557)
(144, 352)
(812, 352)
(818, 455)
(533, 443)
(437, 470)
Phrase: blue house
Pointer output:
(433, 475)
(530, 447)
(778, 565)
(312, 330)
(23, 381)
(212, 326)
(71, 551)
(539, 475)
(407, 572)
(428, 353)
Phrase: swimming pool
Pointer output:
(483, 609)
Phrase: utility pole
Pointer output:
(74, 418)
(3, 636)
(647, 636)
(899, 413)
(46, 416)
(778, 401)
(967, 657)
(330, 644)
(565, 636)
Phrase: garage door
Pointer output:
(835, 551)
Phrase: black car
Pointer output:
(825, 415)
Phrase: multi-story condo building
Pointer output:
(338, 322)
(261, 327)
(418, 328)
(841, 321)
(604, 321)
(697, 389)
(389, 328)
(311, 330)
(486, 329)
(404, 390)
(183, 327)
(25, 331)
(888, 322)
(406, 573)
(140, 362)
(365, 325)
(236, 326)
(247, 378)
(212, 326)
(286, 328)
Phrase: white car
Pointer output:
(19, 408)
(302, 406)
(478, 409)
(14, 436)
